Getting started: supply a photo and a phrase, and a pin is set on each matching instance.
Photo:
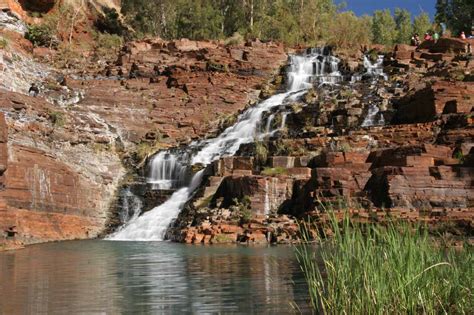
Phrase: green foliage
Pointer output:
(457, 14)
(40, 35)
(393, 269)
(404, 26)
(235, 40)
(310, 22)
(261, 152)
(458, 155)
(384, 28)
(107, 43)
(198, 19)
(350, 31)
(242, 209)
(109, 22)
(222, 239)
(422, 24)
(268, 171)
(56, 118)
(3, 43)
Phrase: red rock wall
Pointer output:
(44, 198)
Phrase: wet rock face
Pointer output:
(62, 161)
(414, 164)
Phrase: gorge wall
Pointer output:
(66, 152)
(398, 147)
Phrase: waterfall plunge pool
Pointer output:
(100, 277)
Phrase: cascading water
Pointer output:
(373, 70)
(131, 205)
(371, 119)
(169, 170)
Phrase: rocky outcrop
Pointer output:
(177, 91)
(68, 150)
(52, 189)
(442, 97)
(378, 149)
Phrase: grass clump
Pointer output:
(269, 171)
(3, 43)
(57, 118)
(235, 40)
(261, 152)
(242, 209)
(391, 269)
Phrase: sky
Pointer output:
(361, 7)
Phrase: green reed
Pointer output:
(394, 268)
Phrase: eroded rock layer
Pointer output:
(64, 154)
(399, 148)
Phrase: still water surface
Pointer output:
(100, 277)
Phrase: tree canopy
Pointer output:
(458, 15)
(290, 21)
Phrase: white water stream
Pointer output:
(169, 170)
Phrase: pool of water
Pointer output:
(100, 277)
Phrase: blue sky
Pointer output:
(361, 7)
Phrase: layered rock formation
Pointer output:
(67, 151)
(401, 148)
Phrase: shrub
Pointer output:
(3, 43)
(235, 40)
(110, 22)
(242, 209)
(56, 118)
(41, 35)
(261, 152)
(107, 44)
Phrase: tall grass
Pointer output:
(390, 269)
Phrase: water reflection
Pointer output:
(94, 277)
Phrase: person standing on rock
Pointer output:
(436, 37)
(34, 90)
(463, 35)
(415, 40)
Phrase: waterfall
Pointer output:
(284, 116)
(370, 120)
(169, 170)
(372, 69)
(267, 199)
(268, 128)
(131, 205)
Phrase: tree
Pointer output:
(441, 11)
(198, 19)
(422, 23)
(404, 26)
(457, 14)
(350, 31)
(384, 27)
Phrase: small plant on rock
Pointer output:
(261, 152)
(57, 118)
(242, 209)
(268, 171)
(3, 43)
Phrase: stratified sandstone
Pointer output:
(67, 150)
(412, 162)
